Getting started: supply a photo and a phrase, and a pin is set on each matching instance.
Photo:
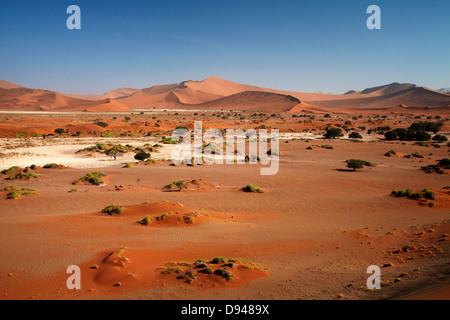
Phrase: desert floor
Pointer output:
(313, 231)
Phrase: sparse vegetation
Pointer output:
(252, 188)
(180, 184)
(333, 133)
(23, 175)
(437, 168)
(424, 195)
(414, 155)
(113, 209)
(52, 166)
(94, 178)
(358, 164)
(16, 192)
(390, 153)
(141, 156)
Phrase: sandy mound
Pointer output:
(108, 106)
(190, 185)
(129, 269)
(162, 214)
(220, 271)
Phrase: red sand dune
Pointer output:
(112, 94)
(216, 93)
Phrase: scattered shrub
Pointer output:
(180, 184)
(355, 135)
(93, 178)
(358, 164)
(113, 209)
(390, 153)
(252, 188)
(52, 166)
(440, 138)
(333, 133)
(141, 156)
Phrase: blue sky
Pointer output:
(307, 46)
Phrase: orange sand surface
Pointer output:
(314, 230)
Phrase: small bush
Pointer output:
(129, 165)
(218, 259)
(101, 124)
(252, 188)
(141, 156)
(93, 178)
(113, 209)
(355, 135)
(146, 221)
(358, 164)
(440, 138)
(11, 170)
(225, 273)
(52, 166)
(13, 195)
(23, 175)
(390, 153)
(180, 184)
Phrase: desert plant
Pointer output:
(93, 178)
(358, 164)
(355, 135)
(113, 209)
(218, 259)
(180, 184)
(59, 131)
(333, 133)
(390, 153)
(52, 166)
(141, 156)
(146, 221)
(225, 273)
(252, 188)
(23, 175)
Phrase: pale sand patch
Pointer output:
(38, 151)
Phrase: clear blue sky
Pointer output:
(296, 45)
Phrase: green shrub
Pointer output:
(146, 221)
(129, 165)
(23, 175)
(13, 195)
(113, 209)
(101, 124)
(177, 184)
(390, 153)
(225, 273)
(141, 156)
(333, 133)
(218, 259)
(93, 178)
(52, 166)
(252, 188)
(355, 135)
(11, 170)
(358, 164)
